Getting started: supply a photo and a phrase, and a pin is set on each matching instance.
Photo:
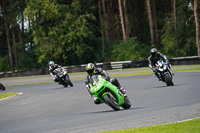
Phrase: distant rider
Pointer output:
(52, 67)
(153, 58)
(92, 70)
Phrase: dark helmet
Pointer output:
(51, 63)
(153, 51)
(90, 68)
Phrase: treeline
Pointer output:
(72, 32)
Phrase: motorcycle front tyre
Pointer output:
(168, 80)
(69, 82)
(110, 102)
(127, 103)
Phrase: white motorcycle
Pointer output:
(62, 77)
(164, 72)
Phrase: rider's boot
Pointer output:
(115, 82)
(122, 90)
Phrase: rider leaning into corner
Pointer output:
(52, 67)
(92, 70)
(153, 58)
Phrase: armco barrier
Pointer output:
(106, 66)
(185, 60)
(24, 73)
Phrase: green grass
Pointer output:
(197, 69)
(8, 94)
(191, 126)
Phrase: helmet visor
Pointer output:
(90, 71)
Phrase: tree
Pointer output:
(122, 20)
(197, 25)
(126, 20)
(60, 30)
(157, 43)
(3, 6)
(174, 9)
(105, 16)
(80, 31)
(149, 14)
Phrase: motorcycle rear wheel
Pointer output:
(111, 103)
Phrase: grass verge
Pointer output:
(191, 126)
(8, 94)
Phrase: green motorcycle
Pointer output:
(108, 93)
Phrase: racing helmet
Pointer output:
(153, 51)
(51, 63)
(90, 68)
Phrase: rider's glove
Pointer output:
(154, 69)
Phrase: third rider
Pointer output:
(153, 58)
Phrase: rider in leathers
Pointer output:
(153, 58)
(92, 70)
(52, 67)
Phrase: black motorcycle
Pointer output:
(2, 87)
(164, 72)
(62, 77)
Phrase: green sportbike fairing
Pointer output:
(108, 93)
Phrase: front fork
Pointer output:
(169, 70)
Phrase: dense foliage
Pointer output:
(73, 32)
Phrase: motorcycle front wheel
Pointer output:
(111, 102)
(168, 80)
(69, 81)
(127, 103)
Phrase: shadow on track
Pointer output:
(62, 87)
(170, 86)
(107, 111)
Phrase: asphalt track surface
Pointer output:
(50, 108)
